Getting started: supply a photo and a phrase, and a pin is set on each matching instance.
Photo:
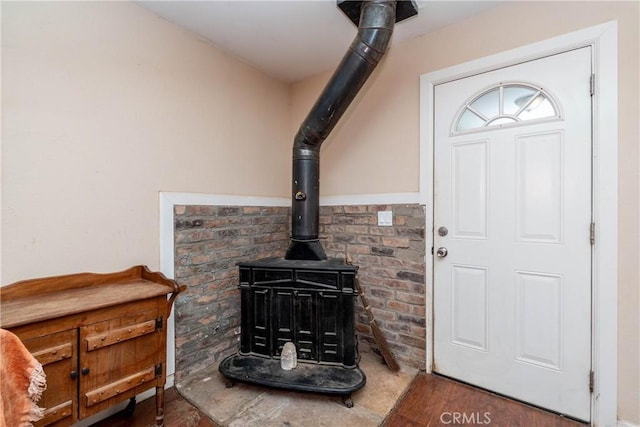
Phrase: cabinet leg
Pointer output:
(131, 406)
(160, 406)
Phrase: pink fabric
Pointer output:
(22, 382)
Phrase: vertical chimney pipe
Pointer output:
(377, 19)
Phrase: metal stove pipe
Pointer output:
(377, 18)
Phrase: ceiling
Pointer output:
(292, 40)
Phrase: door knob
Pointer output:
(442, 252)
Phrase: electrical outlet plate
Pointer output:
(385, 218)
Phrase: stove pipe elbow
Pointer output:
(377, 19)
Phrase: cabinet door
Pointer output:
(120, 358)
(58, 355)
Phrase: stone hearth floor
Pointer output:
(246, 405)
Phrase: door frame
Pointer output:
(603, 41)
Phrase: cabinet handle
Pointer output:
(85, 371)
(73, 375)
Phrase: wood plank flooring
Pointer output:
(178, 412)
(430, 401)
(436, 401)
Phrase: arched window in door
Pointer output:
(506, 104)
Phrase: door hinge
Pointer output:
(158, 323)
(158, 370)
(592, 84)
(591, 381)
(592, 233)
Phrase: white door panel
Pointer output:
(512, 298)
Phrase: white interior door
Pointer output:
(512, 209)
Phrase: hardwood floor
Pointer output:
(178, 412)
(436, 401)
(430, 401)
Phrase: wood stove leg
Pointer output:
(348, 402)
(228, 383)
(160, 406)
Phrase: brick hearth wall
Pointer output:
(211, 240)
(391, 273)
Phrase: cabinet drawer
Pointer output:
(121, 386)
(118, 335)
(57, 416)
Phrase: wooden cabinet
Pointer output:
(101, 338)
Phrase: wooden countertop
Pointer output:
(35, 308)
(36, 300)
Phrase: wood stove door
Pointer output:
(256, 327)
(283, 319)
(312, 320)
(306, 326)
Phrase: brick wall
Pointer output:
(209, 242)
(392, 271)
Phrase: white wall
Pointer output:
(104, 105)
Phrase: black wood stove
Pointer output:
(305, 298)
(309, 303)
